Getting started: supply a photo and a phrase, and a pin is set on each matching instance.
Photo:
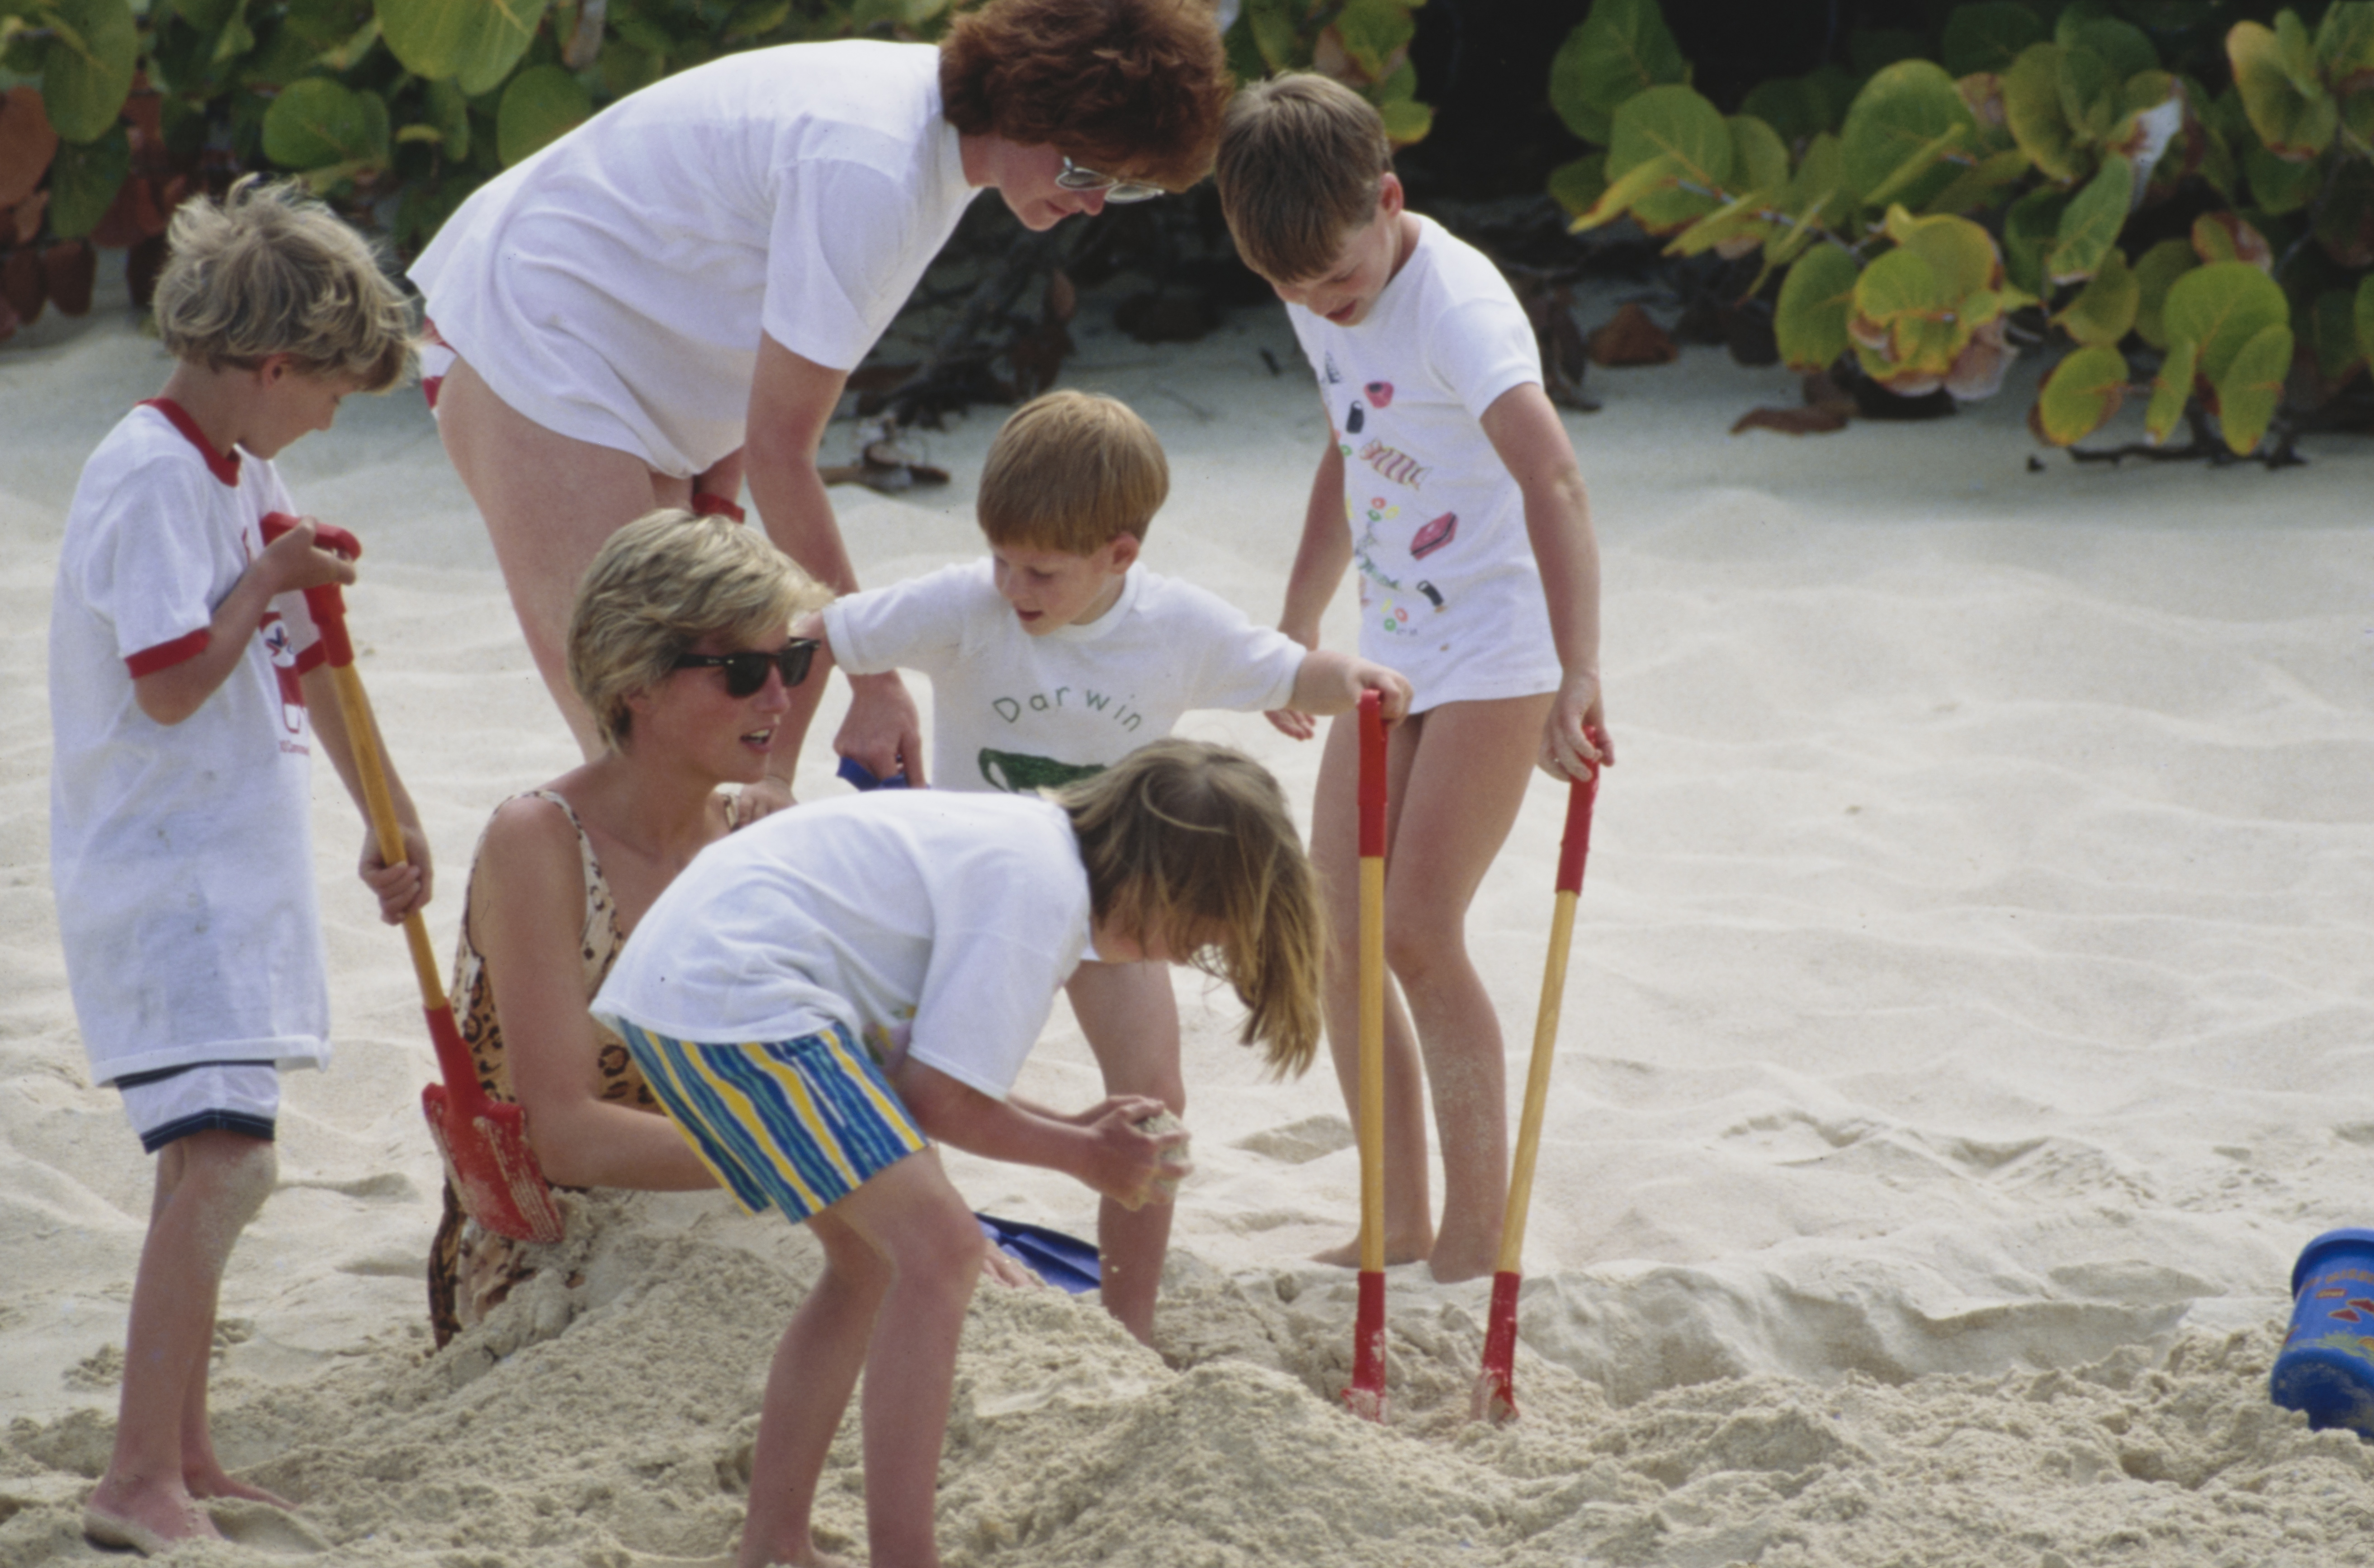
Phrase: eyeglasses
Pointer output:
(746, 672)
(1117, 190)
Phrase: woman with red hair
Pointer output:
(669, 300)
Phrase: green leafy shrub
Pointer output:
(1903, 213)
(394, 111)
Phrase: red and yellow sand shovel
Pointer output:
(1367, 1393)
(484, 1144)
(1496, 1391)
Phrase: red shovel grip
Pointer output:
(1372, 775)
(327, 604)
(1575, 847)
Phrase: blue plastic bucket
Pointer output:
(2326, 1367)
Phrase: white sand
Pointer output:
(1970, 1021)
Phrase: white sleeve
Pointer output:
(915, 624)
(151, 569)
(1249, 668)
(840, 259)
(1481, 347)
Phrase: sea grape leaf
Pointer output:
(476, 43)
(1962, 253)
(2155, 271)
(2090, 92)
(2292, 120)
(1982, 184)
(1621, 49)
(2081, 394)
(1820, 182)
(83, 177)
(2333, 335)
(1406, 120)
(2104, 310)
(1910, 114)
(2171, 390)
(2280, 185)
(1373, 32)
(1902, 321)
(1577, 186)
(1809, 322)
(449, 112)
(1792, 106)
(1735, 228)
(1617, 196)
(2345, 218)
(2228, 237)
(1988, 36)
(543, 104)
(319, 121)
(2344, 45)
(2123, 46)
(2031, 97)
(2090, 223)
(2030, 226)
(2221, 307)
(1760, 158)
(1677, 124)
(87, 70)
(28, 142)
(2250, 387)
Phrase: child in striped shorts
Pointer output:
(818, 992)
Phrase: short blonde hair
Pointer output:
(1071, 471)
(269, 270)
(660, 584)
(1302, 157)
(1193, 842)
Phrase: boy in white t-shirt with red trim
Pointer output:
(186, 684)
(1057, 656)
(1450, 481)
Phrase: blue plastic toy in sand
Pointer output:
(2326, 1367)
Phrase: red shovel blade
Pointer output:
(1366, 1393)
(484, 1144)
(1496, 1389)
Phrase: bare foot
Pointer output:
(149, 1523)
(1464, 1256)
(1398, 1249)
(220, 1483)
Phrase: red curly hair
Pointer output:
(1129, 87)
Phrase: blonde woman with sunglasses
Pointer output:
(680, 649)
(669, 300)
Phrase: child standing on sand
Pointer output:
(1448, 477)
(1052, 660)
(186, 685)
(933, 928)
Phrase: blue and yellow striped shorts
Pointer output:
(796, 1125)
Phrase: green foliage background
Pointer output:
(2040, 163)
(396, 110)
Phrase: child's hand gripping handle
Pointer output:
(327, 604)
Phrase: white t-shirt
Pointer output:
(1012, 711)
(925, 919)
(1450, 593)
(613, 286)
(181, 854)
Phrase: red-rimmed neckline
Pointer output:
(223, 465)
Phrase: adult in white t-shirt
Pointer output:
(670, 298)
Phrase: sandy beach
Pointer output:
(1971, 1018)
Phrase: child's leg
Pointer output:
(209, 1184)
(1459, 798)
(808, 1385)
(1131, 1018)
(1336, 856)
(929, 1249)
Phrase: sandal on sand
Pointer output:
(107, 1529)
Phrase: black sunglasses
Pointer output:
(746, 672)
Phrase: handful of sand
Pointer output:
(1176, 1165)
